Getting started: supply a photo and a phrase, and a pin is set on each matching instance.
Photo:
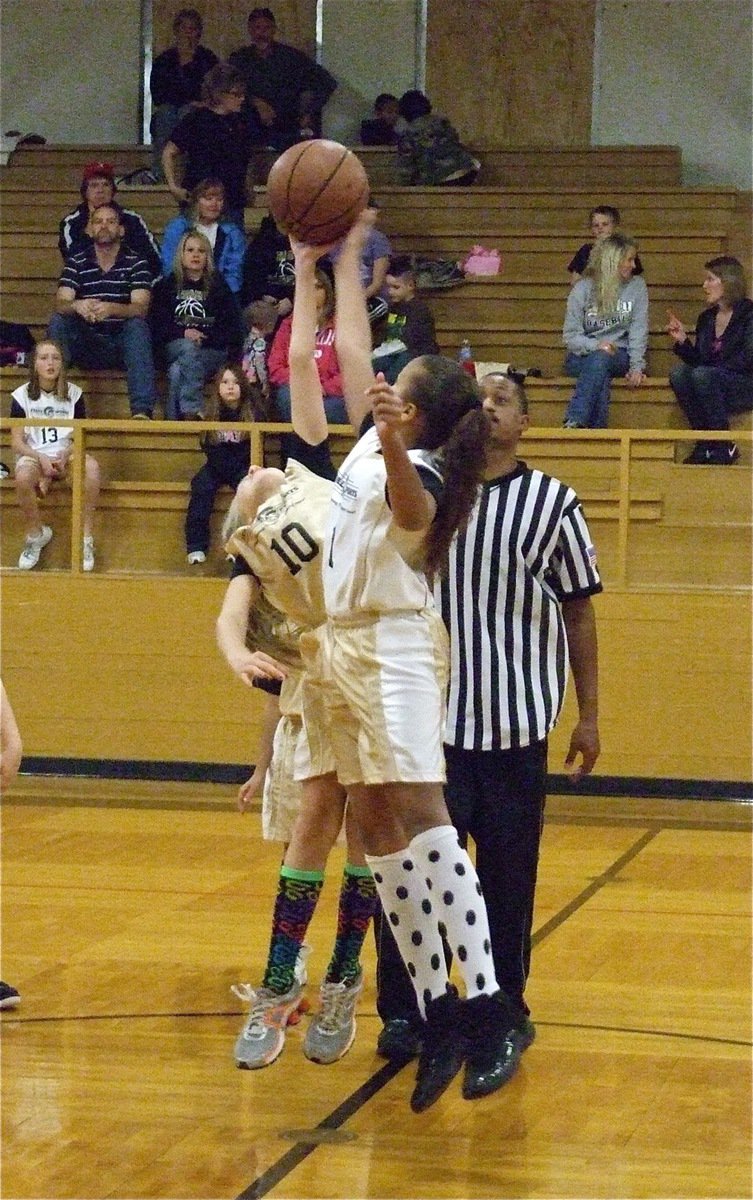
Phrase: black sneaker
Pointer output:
(699, 455)
(9, 996)
(442, 1051)
(494, 1044)
(724, 454)
(524, 1033)
(399, 1041)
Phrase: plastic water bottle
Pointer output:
(465, 357)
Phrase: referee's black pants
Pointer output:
(497, 798)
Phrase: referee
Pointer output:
(517, 603)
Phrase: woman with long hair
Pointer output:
(715, 377)
(195, 325)
(43, 453)
(408, 484)
(327, 364)
(605, 330)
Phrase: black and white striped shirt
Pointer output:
(83, 274)
(526, 548)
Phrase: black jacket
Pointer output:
(736, 341)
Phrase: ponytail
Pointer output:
(462, 460)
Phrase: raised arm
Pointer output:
(352, 329)
(306, 399)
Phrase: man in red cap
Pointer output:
(98, 187)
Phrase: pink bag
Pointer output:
(480, 261)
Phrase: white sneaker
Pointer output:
(196, 556)
(33, 547)
(88, 557)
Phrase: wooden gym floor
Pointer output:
(130, 908)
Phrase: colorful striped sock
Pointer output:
(358, 899)
(297, 896)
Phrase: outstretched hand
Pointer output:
(386, 405)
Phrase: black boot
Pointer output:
(493, 1045)
(442, 1052)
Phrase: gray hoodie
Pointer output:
(627, 327)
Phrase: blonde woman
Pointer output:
(195, 325)
(605, 330)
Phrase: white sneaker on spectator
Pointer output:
(88, 557)
(33, 547)
(196, 556)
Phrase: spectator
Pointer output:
(285, 89)
(326, 358)
(97, 188)
(195, 325)
(205, 214)
(429, 150)
(44, 452)
(409, 328)
(715, 377)
(261, 322)
(228, 456)
(268, 270)
(175, 81)
(215, 143)
(102, 303)
(382, 128)
(375, 260)
(604, 221)
(605, 331)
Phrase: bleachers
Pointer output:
(537, 221)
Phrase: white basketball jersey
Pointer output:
(52, 441)
(283, 545)
(371, 565)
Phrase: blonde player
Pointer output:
(400, 495)
(278, 521)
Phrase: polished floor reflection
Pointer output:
(129, 909)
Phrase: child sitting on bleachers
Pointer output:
(228, 456)
(261, 321)
(408, 331)
(383, 129)
(44, 452)
(604, 221)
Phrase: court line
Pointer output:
(297, 1154)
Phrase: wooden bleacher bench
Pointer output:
(605, 167)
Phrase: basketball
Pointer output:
(316, 189)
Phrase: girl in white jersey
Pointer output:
(44, 452)
(400, 495)
(277, 522)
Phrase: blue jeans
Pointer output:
(334, 406)
(589, 404)
(189, 367)
(707, 395)
(125, 345)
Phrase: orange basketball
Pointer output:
(316, 189)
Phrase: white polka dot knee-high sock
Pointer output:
(458, 904)
(410, 912)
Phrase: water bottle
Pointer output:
(465, 357)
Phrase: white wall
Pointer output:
(370, 46)
(70, 69)
(678, 72)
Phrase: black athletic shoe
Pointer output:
(9, 996)
(442, 1052)
(524, 1032)
(494, 1044)
(699, 456)
(399, 1041)
(724, 454)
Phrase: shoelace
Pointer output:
(267, 1009)
(338, 1001)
